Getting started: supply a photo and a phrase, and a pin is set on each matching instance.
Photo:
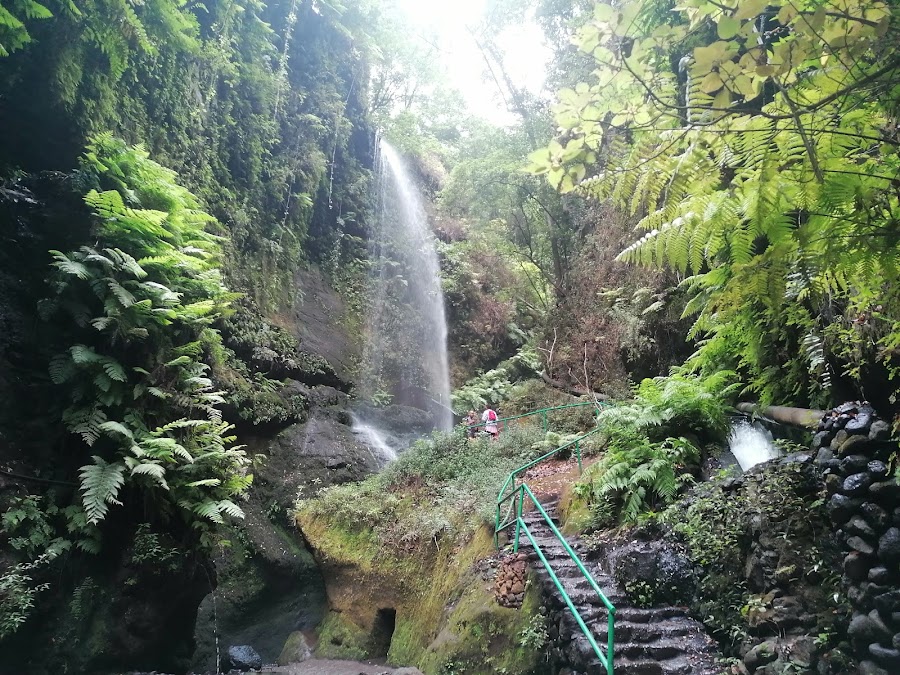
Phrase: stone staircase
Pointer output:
(648, 641)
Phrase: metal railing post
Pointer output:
(578, 454)
(610, 642)
(520, 500)
(544, 421)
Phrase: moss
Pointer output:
(338, 545)
(445, 611)
(480, 636)
(290, 543)
(340, 638)
(575, 514)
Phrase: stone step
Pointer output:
(655, 649)
(535, 519)
(645, 615)
(680, 665)
(561, 562)
(639, 633)
(649, 641)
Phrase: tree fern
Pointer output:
(784, 152)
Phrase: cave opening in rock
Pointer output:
(383, 630)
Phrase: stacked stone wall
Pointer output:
(854, 449)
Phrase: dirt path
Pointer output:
(548, 479)
(333, 667)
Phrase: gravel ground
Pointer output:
(331, 667)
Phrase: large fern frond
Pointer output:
(100, 484)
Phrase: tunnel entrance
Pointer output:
(383, 630)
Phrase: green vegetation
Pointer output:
(755, 144)
(18, 590)
(255, 105)
(440, 489)
(721, 528)
(645, 466)
(148, 416)
(748, 141)
(496, 385)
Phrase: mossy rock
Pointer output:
(442, 605)
(340, 638)
(295, 649)
(480, 636)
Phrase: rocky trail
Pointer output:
(648, 641)
(338, 667)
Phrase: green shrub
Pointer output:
(651, 444)
(18, 591)
(636, 476)
(442, 487)
(679, 404)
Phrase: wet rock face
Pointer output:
(863, 499)
(656, 566)
(243, 658)
(268, 583)
(322, 451)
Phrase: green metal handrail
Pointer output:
(542, 412)
(606, 660)
(516, 498)
(576, 442)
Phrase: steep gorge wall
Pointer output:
(272, 134)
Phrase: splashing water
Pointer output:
(372, 437)
(406, 351)
(751, 444)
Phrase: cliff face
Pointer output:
(269, 129)
(432, 608)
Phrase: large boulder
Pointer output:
(656, 570)
(243, 658)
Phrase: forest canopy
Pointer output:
(756, 144)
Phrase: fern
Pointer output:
(750, 185)
(152, 275)
(636, 476)
(100, 484)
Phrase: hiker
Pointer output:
(489, 417)
(471, 424)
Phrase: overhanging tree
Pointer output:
(757, 142)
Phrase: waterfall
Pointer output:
(751, 444)
(405, 357)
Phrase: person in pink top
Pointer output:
(489, 417)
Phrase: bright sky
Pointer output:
(526, 54)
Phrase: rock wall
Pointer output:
(752, 557)
(438, 601)
(510, 580)
(855, 451)
(269, 586)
